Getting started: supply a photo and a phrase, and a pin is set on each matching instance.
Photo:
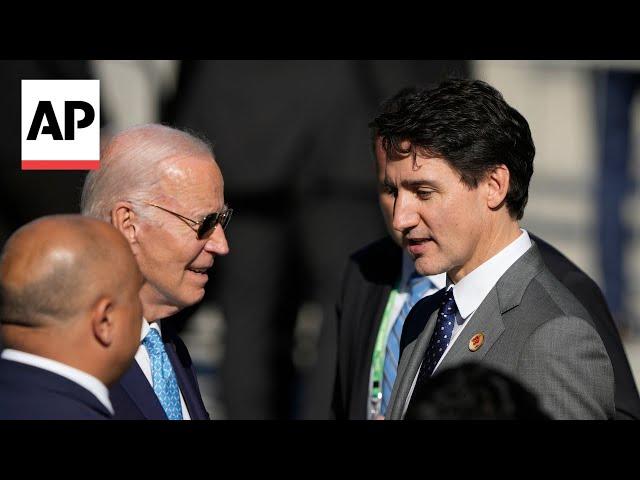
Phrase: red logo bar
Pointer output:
(60, 164)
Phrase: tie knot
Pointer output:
(153, 341)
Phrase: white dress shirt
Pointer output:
(86, 381)
(471, 290)
(142, 357)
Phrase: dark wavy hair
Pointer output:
(465, 122)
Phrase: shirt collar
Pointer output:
(408, 267)
(146, 326)
(476, 285)
(88, 382)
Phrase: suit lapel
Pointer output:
(138, 388)
(487, 320)
(408, 369)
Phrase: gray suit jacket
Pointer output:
(536, 331)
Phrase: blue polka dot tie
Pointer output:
(440, 338)
(165, 384)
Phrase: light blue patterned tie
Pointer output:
(418, 287)
(164, 378)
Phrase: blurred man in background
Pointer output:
(162, 189)
(70, 317)
(615, 91)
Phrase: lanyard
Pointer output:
(377, 363)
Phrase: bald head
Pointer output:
(54, 268)
(133, 163)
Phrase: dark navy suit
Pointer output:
(133, 397)
(31, 393)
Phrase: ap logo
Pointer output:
(60, 124)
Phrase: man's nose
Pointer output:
(405, 215)
(217, 242)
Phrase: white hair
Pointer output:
(131, 166)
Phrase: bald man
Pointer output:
(70, 317)
(163, 190)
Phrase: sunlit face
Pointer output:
(173, 261)
(440, 219)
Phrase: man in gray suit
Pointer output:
(458, 163)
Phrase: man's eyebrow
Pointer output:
(202, 216)
(387, 183)
(415, 183)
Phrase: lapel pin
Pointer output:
(476, 341)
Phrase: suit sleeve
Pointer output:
(338, 407)
(565, 363)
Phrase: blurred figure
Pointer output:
(70, 318)
(458, 162)
(615, 91)
(293, 146)
(473, 391)
(163, 190)
(376, 297)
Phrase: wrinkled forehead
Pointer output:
(195, 183)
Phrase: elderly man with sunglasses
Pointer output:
(163, 190)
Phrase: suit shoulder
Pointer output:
(378, 260)
(47, 401)
(380, 249)
(547, 299)
(556, 350)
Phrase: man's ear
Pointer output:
(102, 321)
(122, 217)
(498, 186)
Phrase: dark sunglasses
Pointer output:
(207, 225)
